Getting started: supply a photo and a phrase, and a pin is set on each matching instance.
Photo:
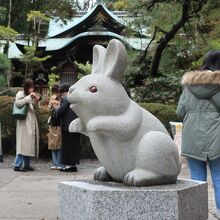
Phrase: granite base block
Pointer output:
(91, 200)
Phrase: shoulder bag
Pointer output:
(20, 113)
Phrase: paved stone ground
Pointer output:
(33, 195)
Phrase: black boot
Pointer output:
(1, 158)
(20, 169)
(29, 168)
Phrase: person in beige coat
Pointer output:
(27, 134)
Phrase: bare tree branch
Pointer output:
(161, 30)
(144, 54)
(167, 37)
(190, 9)
(198, 8)
(164, 40)
(150, 4)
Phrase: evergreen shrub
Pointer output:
(164, 89)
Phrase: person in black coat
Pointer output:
(70, 141)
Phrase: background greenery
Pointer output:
(5, 65)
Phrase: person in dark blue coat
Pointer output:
(70, 141)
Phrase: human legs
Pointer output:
(59, 158)
(18, 160)
(215, 173)
(54, 157)
(68, 152)
(26, 161)
(199, 172)
(198, 169)
(22, 163)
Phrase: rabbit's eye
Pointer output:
(93, 89)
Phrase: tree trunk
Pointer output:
(9, 25)
(169, 36)
(6, 48)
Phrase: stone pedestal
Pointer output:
(90, 200)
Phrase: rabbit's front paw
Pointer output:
(76, 126)
(91, 126)
(102, 175)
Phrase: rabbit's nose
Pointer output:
(71, 89)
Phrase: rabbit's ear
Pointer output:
(98, 57)
(115, 60)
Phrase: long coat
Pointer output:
(70, 141)
(27, 134)
(66, 114)
(199, 105)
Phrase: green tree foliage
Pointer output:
(155, 17)
(31, 56)
(61, 9)
(83, 69)
(3, 14)
(5, 65)
(7, 33)
(185, 50)
(65, 11)
(117, 5)
(18, 14)
(30, 59)
(134, 74)
(2, 81)
(32, 20)
(53, 78)
(207, 29)
(37, 19)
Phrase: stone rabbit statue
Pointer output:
(132, 145)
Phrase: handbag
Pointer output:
(20, 113)
(54, 138)
(54, 120)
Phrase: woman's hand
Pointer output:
(35, 97)
(55, 104)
